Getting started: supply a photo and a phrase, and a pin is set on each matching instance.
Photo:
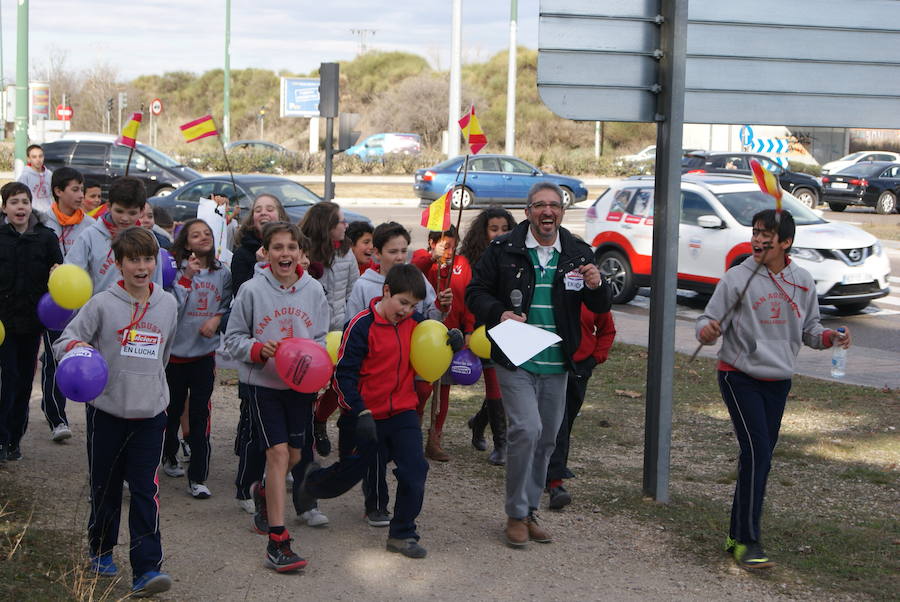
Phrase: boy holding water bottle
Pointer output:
(132, 325)
(764, 309)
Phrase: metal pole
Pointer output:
(597, 143)
(667, 205)
(455, 80)
(329, 157)
(64, 104)
(21, 84)
(511, 81)
(226, 102)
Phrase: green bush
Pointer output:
(813, 169)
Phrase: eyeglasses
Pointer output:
(541, 205)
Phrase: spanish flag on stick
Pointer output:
(436, 217)
(767, 182)
(130, 131)
(472, 131)
(199, 128)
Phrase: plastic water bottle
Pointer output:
(838, 359)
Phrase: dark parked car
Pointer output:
(500, 179)
(803, 186)
(259, 146)
(873, 184)
(296, 198)
(98, 158)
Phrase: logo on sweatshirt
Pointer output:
(202, 300)
(286, 328)
(775, 310)
(285, 319)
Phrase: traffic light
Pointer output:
(109, 105)
(329, 89)
(347, 136)
(123, 100)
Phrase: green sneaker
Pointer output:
(751, 556)
(730, 543)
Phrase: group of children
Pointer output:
(284, 281)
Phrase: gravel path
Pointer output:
(213, 555)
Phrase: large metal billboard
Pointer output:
(802, 62)
(299, 97)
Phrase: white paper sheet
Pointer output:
(207, 212)
(520, 341)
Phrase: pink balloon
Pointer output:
(303, 365)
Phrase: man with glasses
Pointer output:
(537, 273)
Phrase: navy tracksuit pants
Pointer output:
(122, 450)
(191, 381)
(400, 441)
(756, 407)
(576, 389)
(53, 402)
(18, 360)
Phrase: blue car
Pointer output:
(491, 180)
(376, 146)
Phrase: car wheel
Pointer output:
(461, 196)
(837, 207)
(886, 203)
(807, 197)
(615, 266)
(568, 197)
(164, 191)
(851, 308)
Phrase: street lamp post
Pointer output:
(226, 102)
(511, 81)
(21, 84)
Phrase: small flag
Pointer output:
(472, 131)
(130, 131)
(767, 182)
(199, 128)
(437, 216)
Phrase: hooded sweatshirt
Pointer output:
(135, 344)
(371, 285)
(777, 314)
(66, 234)
(264, 311)
(92, 251)
(338, 281)
(200, 298)
(39, 183)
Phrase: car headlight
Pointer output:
(806, 254)
(876, 249)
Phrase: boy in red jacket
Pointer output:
(597, 334)
(374, 382)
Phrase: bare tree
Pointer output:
(100, 82)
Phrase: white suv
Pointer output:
(848, 264)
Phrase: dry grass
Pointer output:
(831, 508)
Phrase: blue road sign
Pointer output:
(299, 97)
(769, 145)
(746, 135)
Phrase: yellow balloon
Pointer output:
(70, 286)
(332, 344)
(429, 353)
(2, 333)
(480, 344)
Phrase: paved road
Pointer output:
(876, 331)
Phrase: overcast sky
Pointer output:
(154, 36)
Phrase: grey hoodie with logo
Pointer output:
(371, 285)
(67, 235)
(266, 311)
(778, 313)
(137, 372)
(200, 298)
(39, 184)
(93, 252)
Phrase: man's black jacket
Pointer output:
(506, 266)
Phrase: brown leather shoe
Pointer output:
(536, 532)
(516, 533)
(433, 449)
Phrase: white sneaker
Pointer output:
(198, 490)
(247, 505)
(185, 450)
(314, 518)
(60, 433)
(173, 469)
(289, 479)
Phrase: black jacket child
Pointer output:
(25, 262)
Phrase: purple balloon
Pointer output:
(465, 369)
(169, 268)
(52, 315)
(82, 374)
